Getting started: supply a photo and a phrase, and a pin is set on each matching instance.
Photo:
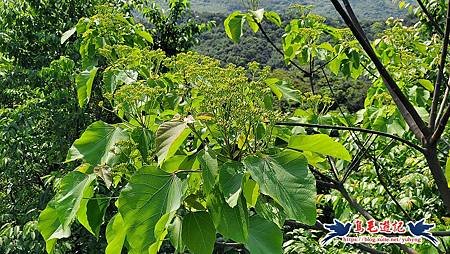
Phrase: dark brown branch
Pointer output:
(438, 175)
(440, 76)
(441, 233)
(430, 18)
(440, 128)
(331, 127)
(405, 107)
(306, 73)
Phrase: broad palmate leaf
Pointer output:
(285, 177)
(54, 222)
(150, 194)
(98, 145)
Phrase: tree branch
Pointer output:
(306, 73)
(331, 127)
(440, 76)
(430, 18)
(405, 107)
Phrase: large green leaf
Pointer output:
(169, 137)
(233, 26)
(210, 169)
(54, 222)
(199, 233)
(285, 177)
(92, 212)
(115, 235)
(98, 144)
(264, 237)
(230, 181)
(84, 82)
(150, 194)
(232, 223)
(270, 210)
(250, 190)
(321, 144)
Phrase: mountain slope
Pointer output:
(366, 10)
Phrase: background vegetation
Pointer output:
(169, 100)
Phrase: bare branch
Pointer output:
(440, 76)
(331, 127)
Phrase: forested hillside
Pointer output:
(366, 10)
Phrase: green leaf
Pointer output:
(67, 34)
(270, 210)
(169, 137)
(210, 169)
(252, 23)
(115, 235)
(230, 181)
(98, 145)
(84, 82)
(251, 192)
(321, 144)
(427, 84)
(264, 237)
(234, 25)
(175, 230)
(273, 17)
(149, 195)
(144, 34)
(199, 233)
(161, 230)
(282, 91)
(232, 223)
(285, 178)
(54, 222)
(112, 79)
(92, 212)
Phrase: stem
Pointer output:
(409, 113)
(430, 17)
(440, 76)
(306, 73)
(323, 126)
(438, 175)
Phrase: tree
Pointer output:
(407, 67)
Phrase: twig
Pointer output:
(440, 76)
(323, 126)
(430, 18)
(306, 73)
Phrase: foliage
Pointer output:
(192, 138)
(173, 30)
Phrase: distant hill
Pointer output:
(365, 9)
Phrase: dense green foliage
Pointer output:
(116, 138)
